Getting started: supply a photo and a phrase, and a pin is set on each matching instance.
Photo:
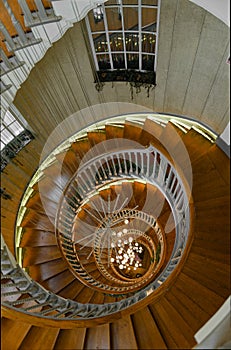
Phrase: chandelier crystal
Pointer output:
(126, 252)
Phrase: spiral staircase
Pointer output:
(122, 182)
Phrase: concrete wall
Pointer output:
(192, 74)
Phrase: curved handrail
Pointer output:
(160, 173)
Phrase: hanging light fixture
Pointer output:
(127, 252)
(98, 13)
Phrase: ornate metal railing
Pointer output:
(147, 164)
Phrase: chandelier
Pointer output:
(126, 251)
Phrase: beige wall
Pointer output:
(192, 74)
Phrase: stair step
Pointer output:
(151, 133)
(122, 334)
(97, 337)
(96, 137)
(163, 329)
(174, 324)
(81, 147)
(132, 130)
(38, 255)
(70, 339)
(44, 271)
(196, 144)
(71, 290)
(147, 333)
(58, 282)
(114, 131)
(209, 281)
(221, 162)
(206, 299)
(13, 333)
(37, 238)
(85, 295)
(97, 298)
(38, 338)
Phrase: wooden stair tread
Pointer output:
(38, 238)
(184, 310)
(39, 337)
(151, 132)
(208, 300)
(71, 290)
(41, 272)
(196, 144)
(221, 288)
(221, 161)
(69, 339)
(132, 130)
(69, 162)
(122, 334)
(114, 131)
(97, 337)
(148, 336)
(173, 324)
(13, 333)
(95, 137)
(58, 282)
(38, 255)
(167, 336)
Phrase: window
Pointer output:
(123, 34)
(14, 135)
(10, 128)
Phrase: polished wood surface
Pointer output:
(180, 306)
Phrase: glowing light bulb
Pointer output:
(125, 230)
(112, 259)
(126, 221)
(121, 267)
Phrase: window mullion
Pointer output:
(124, 39)
(139, 28)
(157, 35)
(91, 42)
(107, 36)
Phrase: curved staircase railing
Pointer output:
(47, 304)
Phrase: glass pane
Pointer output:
(104, 62)
(148, 62)
(149, 19)
(100, 42)
(132, 61)
(116, 42)
(2, 145)
(130, 2)
(148, 43)
(8, 118)
(149, 2)
(132, 42)
(16, 128)
(6, 136)
(111, 2)
(113, 18)
(118, 61)
(96, 26)
(130, 18)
